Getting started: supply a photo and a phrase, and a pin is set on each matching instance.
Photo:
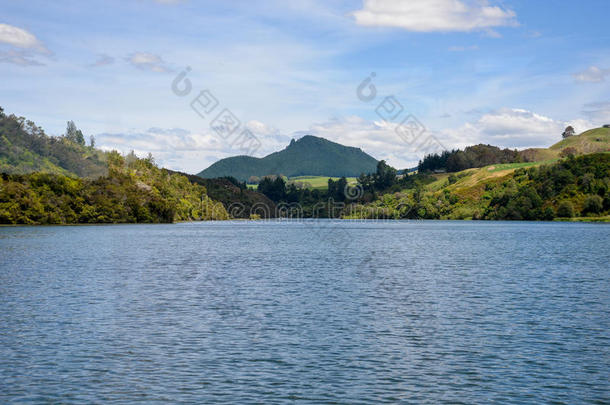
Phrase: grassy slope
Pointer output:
(591, 141)
(319, 182)
(471, 184)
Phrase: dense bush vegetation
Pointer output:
(134, 191)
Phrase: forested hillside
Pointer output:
(571, 188)
(25, 148)
(59, 180)
(135, 190)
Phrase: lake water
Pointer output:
(306, 312)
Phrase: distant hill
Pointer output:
(25, 148)
(309, 155)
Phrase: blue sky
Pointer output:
(511, 73)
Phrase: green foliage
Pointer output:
(135, 192)
(275, 189)
(40, 182)
(594, 204)
(309, 155)
(564, 189)
(25, 148)
(473, 156)
(565, 210)
(74, 134)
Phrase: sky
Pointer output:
(195, 81)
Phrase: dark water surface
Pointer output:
(313, 312)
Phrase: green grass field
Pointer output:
(318, 182)
(314, 182)
(506, 166)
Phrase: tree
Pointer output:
(92, 141)
(275, 189)
(569, 131)
(74, 134)
(385, 176)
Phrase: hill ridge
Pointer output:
(307, 156)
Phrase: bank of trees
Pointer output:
(134, 191)
(473, 156)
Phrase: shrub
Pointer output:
(565, 210)
(593, 205)
(548, 214)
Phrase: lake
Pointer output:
(306, 312)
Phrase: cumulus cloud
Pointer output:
(183, 150)
(592, 74)
(148, 61)
(512, 128)
(24, 46)
(434, 15)
(20, 38)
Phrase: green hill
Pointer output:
(25, 148)
(591, 141)
(569, 188)
(59, 180)
(308, 156)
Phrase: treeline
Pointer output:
(314, 202)
(473, 156)
(134, 191)
(239, 201)
(25, 148)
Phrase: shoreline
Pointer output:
(596, 220)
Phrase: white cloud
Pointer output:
(20, 38)
(592, 74)
(512, 128)
(191, 152)
(434, 15)
(148, 61)
(24, 45)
